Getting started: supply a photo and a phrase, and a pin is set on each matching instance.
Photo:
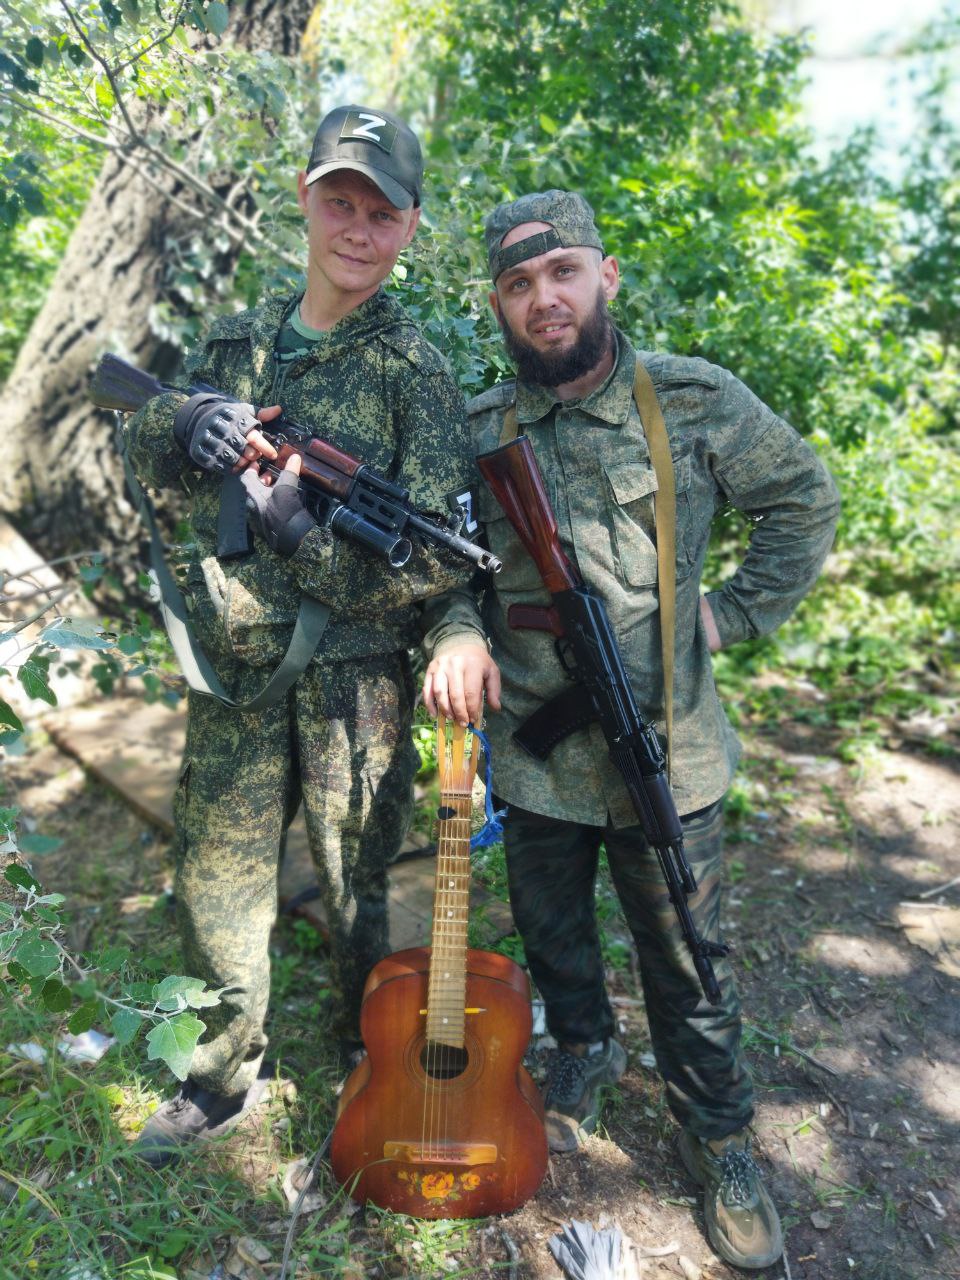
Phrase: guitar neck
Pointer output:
(448, 959)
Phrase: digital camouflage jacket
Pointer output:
(727, 448)
(374, 387)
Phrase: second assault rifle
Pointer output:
(590, 655)
(339, 491)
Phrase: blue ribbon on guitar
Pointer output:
(492, 830)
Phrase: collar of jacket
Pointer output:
(610, 402)
(376, 314)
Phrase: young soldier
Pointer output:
(574, 399)
(343, 359)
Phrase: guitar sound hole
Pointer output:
(443, 1061)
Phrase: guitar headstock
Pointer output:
(458, 752)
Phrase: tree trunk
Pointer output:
(63, 485)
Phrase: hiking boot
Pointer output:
(742, 1221)
(194, 1114)
(576, 1077)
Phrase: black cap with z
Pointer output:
(374, 143)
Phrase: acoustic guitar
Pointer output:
(441, 1119)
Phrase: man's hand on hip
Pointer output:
(456, 680)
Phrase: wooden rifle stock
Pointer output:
(515, 481)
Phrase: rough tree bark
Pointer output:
(63, 487)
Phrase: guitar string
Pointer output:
(450, 868)
(446, 936)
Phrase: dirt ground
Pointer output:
(850, 1000)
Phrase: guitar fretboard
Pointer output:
(451, 902)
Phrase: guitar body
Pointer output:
(451, 1134)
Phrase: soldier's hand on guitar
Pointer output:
(457, 680)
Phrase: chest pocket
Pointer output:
(519, 573)
(632, 487)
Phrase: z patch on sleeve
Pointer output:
(465, 501)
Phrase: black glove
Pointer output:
(284, 520)
(213, 430)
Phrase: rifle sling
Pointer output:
(665, 514)
(311, 623)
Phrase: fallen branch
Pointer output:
(660, 1251)
(932, 893)
(788, 1044)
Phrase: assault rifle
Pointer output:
(339, 491)
(590, 656)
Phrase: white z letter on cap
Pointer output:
(366, 130)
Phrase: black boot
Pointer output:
(194, 1113)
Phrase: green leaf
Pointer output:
(34, 843)
(20, 876)
(34, 51)
(129, 645)
(12, 69)
(55, 996)
(171, 993)
(16, 971)
(197, 998)
(178, 992)
(217, 17)
(12, 742)
(173, 1245)
(9, 716)
(84, 1018)
(112, 15)
(547, 124)
(125, 1024)
(7, 911)
(38, 955)
(173, 1042)
(113, 959)
(74, 633)
(33, 677)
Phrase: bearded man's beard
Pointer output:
(555, 368)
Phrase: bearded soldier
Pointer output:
(574, 399)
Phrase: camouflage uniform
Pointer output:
(727, 447)
(340, 739)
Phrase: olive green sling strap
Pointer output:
(311, 623)
(665, 513)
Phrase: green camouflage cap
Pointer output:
(569, 216)
(374, 143)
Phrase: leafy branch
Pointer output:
(112, 110)
(34, 959)
(37, 962)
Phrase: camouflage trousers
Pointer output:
(339, 742)
(552, 868)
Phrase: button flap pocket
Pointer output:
(631, 480)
